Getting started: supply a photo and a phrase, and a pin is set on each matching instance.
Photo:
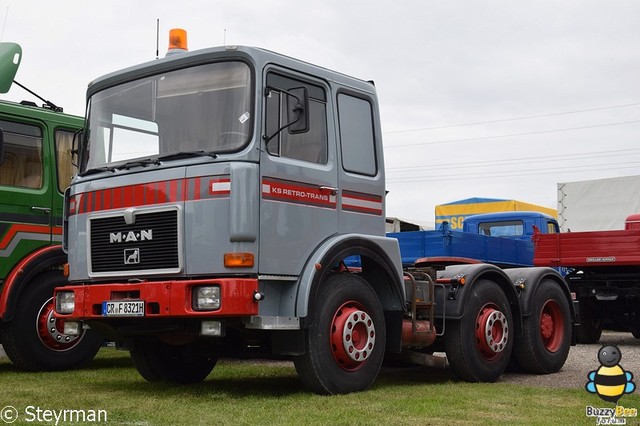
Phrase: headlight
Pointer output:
(206, 298)
(72, 328)
(65, 302)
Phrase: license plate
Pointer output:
(123, 308)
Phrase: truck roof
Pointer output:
(257, 56)
(24, 110)
(507, 216)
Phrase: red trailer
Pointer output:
(604, 275)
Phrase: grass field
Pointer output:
(238, 393)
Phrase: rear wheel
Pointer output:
(159, 361)
(34, 339)
(590, 328)
(544, 346)
(346, 341)
(479, 345)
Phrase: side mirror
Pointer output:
(10, 56)
(77, 138)
(298, 110)
(1, 147)
(297, 105)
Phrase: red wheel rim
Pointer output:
(50, 330)
(492, 331)
(353, 336)
(552, 326)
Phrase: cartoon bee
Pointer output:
(610, 381)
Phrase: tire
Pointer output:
(546, 338)
(635, 330)
(33, 339)
(590, 328)
(479, 345)
(159, 361)
(345, 343)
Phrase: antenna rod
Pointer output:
(157, 38)
(6, 15)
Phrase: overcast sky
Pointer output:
(499, 99)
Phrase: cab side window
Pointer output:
(310, 146)
(64, 143)
(22, 166)
(357, 135)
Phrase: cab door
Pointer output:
(298, 174)
(25, 193)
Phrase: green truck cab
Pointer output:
(35, 169)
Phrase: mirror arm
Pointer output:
(298, 108)
(268, 138)
(46, 102)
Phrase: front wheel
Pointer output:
(544, 346)
(345, 343)
(479, 345)
(34, 339)
(159, 361)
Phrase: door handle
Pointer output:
(45, 210)
(331, 189)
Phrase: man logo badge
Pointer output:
(132, 256)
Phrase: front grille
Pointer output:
(148, 244)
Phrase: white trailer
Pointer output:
(597, 205)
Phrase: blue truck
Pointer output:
(502, 239)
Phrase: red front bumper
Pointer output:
(165, 299)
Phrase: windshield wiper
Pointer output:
(138, 163)
(97, 170)
(187, 154)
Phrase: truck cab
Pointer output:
(517, 225)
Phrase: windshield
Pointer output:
(206, 108)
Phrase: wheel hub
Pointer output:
(552, 326)
(546, 326)
(49, 329)
(492, 331)
(353, 336)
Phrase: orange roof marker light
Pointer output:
(177, 41)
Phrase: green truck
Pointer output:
(35, 169)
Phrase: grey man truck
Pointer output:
(219, 194)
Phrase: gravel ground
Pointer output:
(583, 359)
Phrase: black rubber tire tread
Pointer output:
(635, 330)
(590, 328)
(158, 361)
(463, 354)
(317, 368)
(22, 343)
(529, 350)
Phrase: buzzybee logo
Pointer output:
(610, 382)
